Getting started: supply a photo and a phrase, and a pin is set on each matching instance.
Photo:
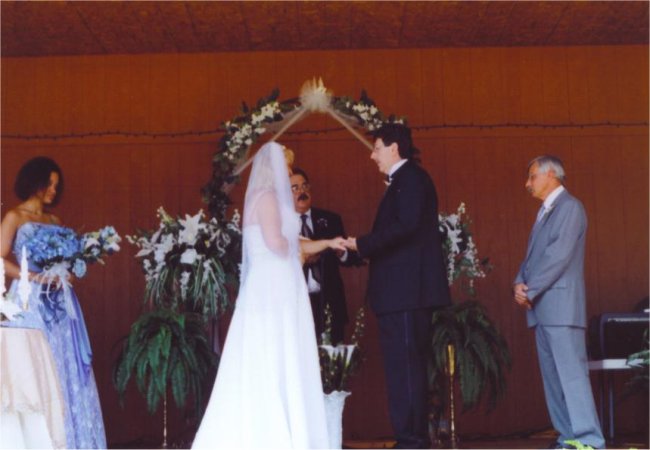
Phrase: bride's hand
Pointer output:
(338, 243)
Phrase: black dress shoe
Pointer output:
(413, 444)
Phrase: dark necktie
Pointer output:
(305, 231)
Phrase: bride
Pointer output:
(268, 391)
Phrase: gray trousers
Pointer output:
(563, 362)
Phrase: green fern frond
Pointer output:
(481, 352)
(165, 349)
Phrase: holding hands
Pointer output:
(310, 250)
(338, 244)
(351, 243)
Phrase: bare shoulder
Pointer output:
(10, 223)
(12, 217)
(54, 219)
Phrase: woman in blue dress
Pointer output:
(39, 185)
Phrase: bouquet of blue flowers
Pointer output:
(54, 249)
(51, 245)
(58, 250)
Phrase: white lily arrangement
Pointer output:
(339, 362)
(190, 260)
(459, 250)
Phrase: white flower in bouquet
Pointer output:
(191, 227)
(185, 279)
(190, 260)
(459, 249)
(161, 249)
(189, 256)
(91, 242)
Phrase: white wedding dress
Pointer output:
(268, 391)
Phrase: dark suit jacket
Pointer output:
(404, 247)
(328, 225)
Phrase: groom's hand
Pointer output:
(337, 244)
(351, 243)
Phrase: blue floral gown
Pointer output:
(68, 337)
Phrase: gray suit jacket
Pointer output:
(553, 268)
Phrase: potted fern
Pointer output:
(466, 345)
(190, 267)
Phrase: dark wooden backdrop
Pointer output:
(122, 180)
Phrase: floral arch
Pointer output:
(192, 273)
(269, 114)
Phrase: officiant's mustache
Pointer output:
(303, 196)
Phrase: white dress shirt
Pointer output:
(396, 166)
(550, 199)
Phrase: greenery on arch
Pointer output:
(241, 132)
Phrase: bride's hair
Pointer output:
(269, 183)
(289, 155)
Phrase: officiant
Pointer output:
(322, 271)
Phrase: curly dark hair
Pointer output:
(391, 133)
(34, 176)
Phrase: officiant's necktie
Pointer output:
(541, 212)
(307, 232)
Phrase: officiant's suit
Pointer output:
(322, 272)
(406, 282)
(328, 225)
(553, 271)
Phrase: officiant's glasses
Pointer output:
(304, 187)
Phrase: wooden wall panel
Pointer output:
(408, 67)
(457, 80)
(634, 219)
(123, 179)
(487, 86)
(125, 101)
(554, 85)
(87, 101)
(578, 88)
(602, 82)
(195, 102)
(432, 102)
(531, 86)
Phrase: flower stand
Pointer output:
(334, 403)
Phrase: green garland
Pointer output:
(244, 130)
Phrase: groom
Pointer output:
(406, 281)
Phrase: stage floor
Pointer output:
(538, 441)
(535, 441)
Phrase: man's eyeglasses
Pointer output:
(305, 187)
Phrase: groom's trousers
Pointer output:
(404, 338)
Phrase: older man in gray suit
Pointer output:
(550, 286)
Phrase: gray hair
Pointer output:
(550, 162)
